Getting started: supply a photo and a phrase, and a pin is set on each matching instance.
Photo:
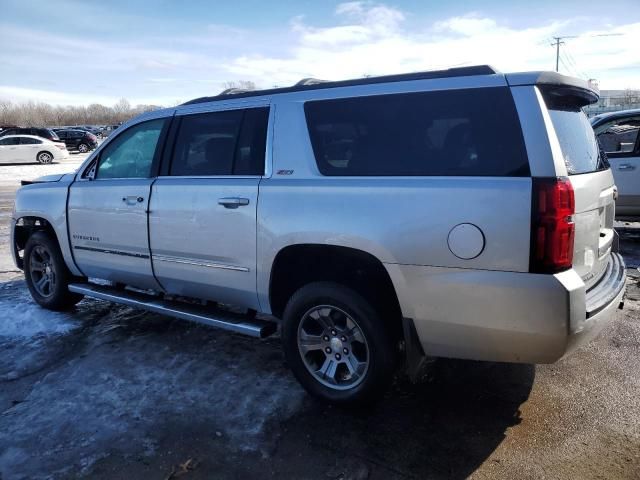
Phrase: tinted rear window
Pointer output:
(472, 132)
(577, 140)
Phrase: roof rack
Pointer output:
(310, 81)
(315, 84)
(233, 91)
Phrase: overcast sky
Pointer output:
(164, 52)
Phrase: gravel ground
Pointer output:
(110, 392)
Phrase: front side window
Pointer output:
(473, 132)
(130, 155)
(223, 143)
(10, 141)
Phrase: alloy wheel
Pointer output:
(333, 347)
(41, 268)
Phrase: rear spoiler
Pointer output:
(558, 90)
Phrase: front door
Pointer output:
(108, 208)
(10, 149)
(621, 141)
(203, 210)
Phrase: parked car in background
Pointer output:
(79, 140)
(619, 136)
(29, 149)
(109, 129)
(89, 128)
(47, 133)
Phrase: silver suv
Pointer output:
(376, 222)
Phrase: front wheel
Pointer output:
(44, 158)
(47, 275)
(335, 343)
(83, 148)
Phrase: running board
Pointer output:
(213, 317)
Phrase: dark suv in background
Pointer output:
(38, 132)
(80, 140)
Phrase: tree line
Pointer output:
(41, 114)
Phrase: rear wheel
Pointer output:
(83, 148)
(336, 344)
(46, 274)
(44, 157)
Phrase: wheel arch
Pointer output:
(25, 225)
(299, 264)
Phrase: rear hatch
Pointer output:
(592, 182)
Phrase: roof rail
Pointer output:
(310, 81)
(233, 91)
(313, 84)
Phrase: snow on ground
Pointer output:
(121, 377)
(12, 174)
(23, 318)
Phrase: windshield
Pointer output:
(577, 141)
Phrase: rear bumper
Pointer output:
(601, 303)
(504, 316)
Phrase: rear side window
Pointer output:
(473, 132)
(578, 142)
(230, 142)
(29, 141)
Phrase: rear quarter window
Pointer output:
(469, 132)
(577, 140)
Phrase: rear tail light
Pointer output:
(61, 146)
(552, 227)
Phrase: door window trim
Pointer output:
(172, 135)
(92, 166)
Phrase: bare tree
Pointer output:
(240, 84)
(37, 114)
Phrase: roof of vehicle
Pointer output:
(71, 129)
(605, 117)
(21, 135)
(514, 79)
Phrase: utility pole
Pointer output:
(558, 42)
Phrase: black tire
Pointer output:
(57, 297)
(380, 344)
(83, 148)
(44, 157)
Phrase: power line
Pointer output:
(558, 42)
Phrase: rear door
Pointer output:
(107, 210)
(202, 216)
(593, 186)
(620, 139)
(29, 148)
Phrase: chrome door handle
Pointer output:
(626, 166)
(132, 200)
(233, 202)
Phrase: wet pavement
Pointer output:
(110, 392)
